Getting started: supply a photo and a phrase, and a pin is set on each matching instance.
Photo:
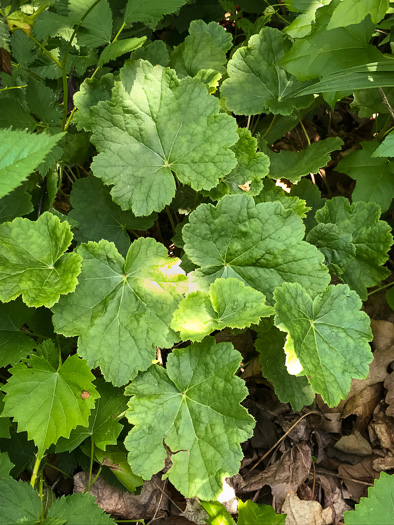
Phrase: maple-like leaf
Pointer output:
(193, 408)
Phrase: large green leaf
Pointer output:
(354, 11)
(20, 154)
(257, 82)
(33, 263)
(150, 11)
(374, 175)
(326, 51)
(49, 403)
(330, 336)
(75, 507)
(156, 125)
(193, 408)
(378, 507)
(355, 242)
(229, 302)
(260, 244)
(122, 309)
(293, 165)
(103, 428)
(99, 217)
(19, 503)
(200, 50)
(289, 388)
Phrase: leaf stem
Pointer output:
(269, 127)
(171, 219)
(91, 464)
(386, 102)
(45, 50)
(118, 33)
(381, 288)
(36, 467)
(305, 133)
(13, 87)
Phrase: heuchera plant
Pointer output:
(140, 216)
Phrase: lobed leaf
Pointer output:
(193, 408)
(150, 11)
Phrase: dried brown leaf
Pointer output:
(354, 444)
(301, 512)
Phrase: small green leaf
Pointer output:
(302, 24)
(155, 52)
(194, 408)
(103, 427)
(250, 513)
(121, 308)
(144, 138)
(289, 388)
(257, 82)
(386, 148)
(5, 465)
(354, 11)
(90, 93)
(33, 262)
(75, 507)
(99, 217)
(330, 336)
(293, 165)
(43, 102)
(19, 503)
(378, 507)
(260, 244)
(20, 154)
(150, 11)
(15, 344)
(15, 204)
(373, 172)
(119, 48)
(49, 403)
(273, 193)
(310, 193)
(96, 29)
(228, 303)
(218, 514)
(115, 457)
(354, 241)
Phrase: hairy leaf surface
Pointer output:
(48, 403)
(272, 193)
(33, 263)
(19, 502)
(154, 126)
(260, 244)
(330, 336)
(193, 408)
(122, 309)
(150, 11)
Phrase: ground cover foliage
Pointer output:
(195, 234)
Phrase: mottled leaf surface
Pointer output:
(193, 406)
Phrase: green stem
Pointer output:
(13, 87)
(64, 62)
(269, 127)
(118, 33)
(41, 494)
(45, 50)
(381, 288)
(305, 133)
(36, 467)
(93, 482)
(91, 464)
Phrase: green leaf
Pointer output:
(119, 48)
(20, 154)
(251, 168)
(330, 336)
(150, 11)
(293, 165)
(96, 29)
(335, 244)
(326, 51)
(33, 262)
(273, 193)
(204, 48)
(370, 239)
(310, 193)
(15, 344)
(24, 50)
(386, 148)
(374, 175)
(257, 82)
(156, 125)
(228, 303)
(289, 388)
(19, 503)
(354, 11)
(15, 204)
(250, 513)
(121, 308)
(75, 507)
(14, 115)
(155, 52)
(99, 217)
(91, 92)
(302, 25)
(43, 102)
(115, 457)
(49, 403)
(5, 465)
(193, 407)
(218, 514)
(103, 427)
(260, 244)
(4, 35)
(378, 507)
(21, 451)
